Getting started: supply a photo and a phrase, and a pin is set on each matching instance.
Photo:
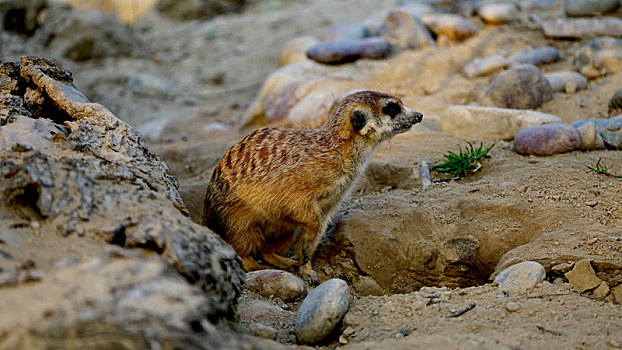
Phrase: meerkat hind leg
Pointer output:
(249, 264)
(281, 262)
(309, 240)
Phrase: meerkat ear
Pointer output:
(358, 120)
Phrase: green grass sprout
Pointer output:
(464, 163)
(601, 168)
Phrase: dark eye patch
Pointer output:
(358, 119)
(391, 109)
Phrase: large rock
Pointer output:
(87, 181)
(491, 123)
(589, 7)
(89, 34)
(322, 310)
(116, 299)
(547, 139)
(298, 99)
(195, 9)
(522, 87)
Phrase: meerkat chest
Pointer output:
(342, 182)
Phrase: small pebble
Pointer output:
(601, 291)
(512, 306)
(522, 276)
(322, 310)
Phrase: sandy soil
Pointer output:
(211, 72)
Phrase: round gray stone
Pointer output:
(322, 310)
(522, 276)
(547, 139)
(522, 87)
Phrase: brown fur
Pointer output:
(278, 180)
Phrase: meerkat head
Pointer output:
(376, 116)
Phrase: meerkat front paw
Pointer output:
(308, 275)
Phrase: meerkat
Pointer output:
(280, 180)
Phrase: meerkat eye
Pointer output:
(391, 109)
(358, 120)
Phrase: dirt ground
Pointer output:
(548, 209)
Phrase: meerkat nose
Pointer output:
(418, 117)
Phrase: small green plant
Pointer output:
(602, 169)
(465, 162)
